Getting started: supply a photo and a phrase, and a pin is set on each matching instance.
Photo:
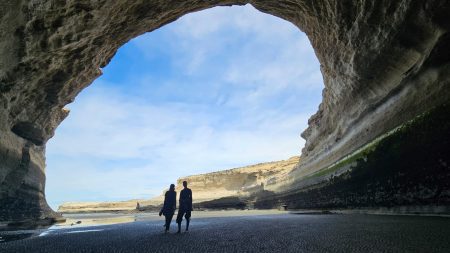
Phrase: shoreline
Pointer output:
(245, 233)
(123, 216)
(431, 210)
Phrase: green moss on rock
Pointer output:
(410, 165)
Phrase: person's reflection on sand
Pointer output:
(170, 204)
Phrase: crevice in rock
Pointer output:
(15, 179)
(28, 131)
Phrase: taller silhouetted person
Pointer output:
(185, 207)
(170, 204)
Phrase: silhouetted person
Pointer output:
(170, 204)
(185, 206)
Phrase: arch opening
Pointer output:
(383, 65)
(218, 89)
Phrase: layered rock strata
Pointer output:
(226, 188)
(239, 182)
(383, 63)
(406, 170)
(229, 188)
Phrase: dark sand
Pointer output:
(261, 233)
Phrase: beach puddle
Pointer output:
(94, 221)
(83, 231)
(78, 223)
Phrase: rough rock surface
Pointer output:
(238, 183)
(407, 170)
(383, 62)
(234, 188)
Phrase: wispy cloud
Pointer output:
(217, 89)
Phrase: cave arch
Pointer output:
(182, 114)
(383, 63)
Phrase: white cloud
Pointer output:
(128, 129)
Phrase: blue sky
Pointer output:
(216, 89)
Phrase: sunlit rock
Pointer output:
(236, 184)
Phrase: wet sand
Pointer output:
(248, 232)
(89, 219)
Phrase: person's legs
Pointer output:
(166, 225)
(168, 221)
(188, 219)
(180, 219)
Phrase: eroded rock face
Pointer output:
(238, 184)
(383, 62)
(407, 170)
(22, 195)
(79, 207)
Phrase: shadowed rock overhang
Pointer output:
(383, 63)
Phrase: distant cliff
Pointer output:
(242, 181)
(127, 205)
(229, 185)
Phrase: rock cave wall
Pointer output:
(383, 63)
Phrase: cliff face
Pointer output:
(406, 170)
(238, 183)
(383, 63)
(75, 207)
(128, 205)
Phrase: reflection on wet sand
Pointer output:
(283, 232)
(89, 221)
(94, 219)
(83, 220)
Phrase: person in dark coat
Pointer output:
(185, 207)
(170, 204)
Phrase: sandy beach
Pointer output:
(247, 231)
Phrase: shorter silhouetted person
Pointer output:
(185, 207)
(170, 204)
